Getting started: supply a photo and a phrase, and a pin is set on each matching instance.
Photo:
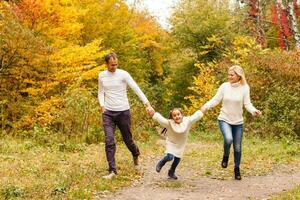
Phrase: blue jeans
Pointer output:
(168, 158)
(232, 134)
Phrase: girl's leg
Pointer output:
(163, 161)
(174, 165)
(226, 130)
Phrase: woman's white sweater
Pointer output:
(233, 97)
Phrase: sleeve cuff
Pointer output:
(155, 115)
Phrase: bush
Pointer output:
(275, 89)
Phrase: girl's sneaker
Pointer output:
(172, 175)
(158, 166)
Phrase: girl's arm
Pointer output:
(196, 116)
(215, 100)
(161, 120)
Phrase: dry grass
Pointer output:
(73, 171)
(60, 171)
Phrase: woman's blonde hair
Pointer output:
(240, 72)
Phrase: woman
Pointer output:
(234, 94)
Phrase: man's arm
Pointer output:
(101, 94)
(132, 84)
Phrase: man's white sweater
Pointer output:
(112, 90)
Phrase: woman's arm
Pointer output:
(247, 103)
(161, 120)
(215, 100)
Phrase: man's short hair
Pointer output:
(109, 56)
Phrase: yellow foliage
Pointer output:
(203, 88)
(91, 74)
(76, 61)
(45, 112)
(242, 46)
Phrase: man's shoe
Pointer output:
(172, 175)
(110, 175)
(136, 160)
(224, 162)
(237, 174)
(158, 167)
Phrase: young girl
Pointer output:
(177, 129)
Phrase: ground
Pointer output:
(192, 185)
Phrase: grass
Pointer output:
(294, 194)
(259, 157)
(70, 170)
(61, 171)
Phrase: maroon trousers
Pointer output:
(121, 119)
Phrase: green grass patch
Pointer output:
(259, 156)
(71, 170)
(68, 170)
(294, 194)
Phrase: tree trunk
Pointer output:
(282, 34)
(255, 16)
(293, 20)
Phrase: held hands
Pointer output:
(257, 113)
(203, 109)
(150, 110)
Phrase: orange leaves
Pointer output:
(33, 14)
(50, 47)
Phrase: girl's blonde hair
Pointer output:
(240, 72)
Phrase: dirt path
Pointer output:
(154, 186)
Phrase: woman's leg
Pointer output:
(163, 161)
(226, 130)
(237, 132)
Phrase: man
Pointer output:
(112, 95)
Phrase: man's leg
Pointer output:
(124, 124)
(110, 145)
